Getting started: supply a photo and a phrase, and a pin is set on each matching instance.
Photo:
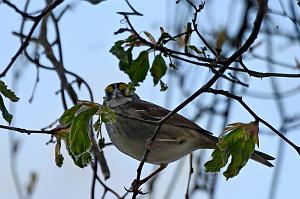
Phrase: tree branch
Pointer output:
(258, 21)
(256, 117)
(26, 42)
(27, 131)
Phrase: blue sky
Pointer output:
(87, 35)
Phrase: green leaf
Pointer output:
(7, 92)
(151, 38)
(6, 115)
(97, 124)
(219, 160)
(79, 141)
(138, 69)
(158, 68)
(125, 57)
(239, 157)
(107, 115)
(131, 39)
(239, 143)
(69, 115)
(76, 137)
(83, 160)
(117, 49)
(59, 159)
(125, 64)
(11, 96)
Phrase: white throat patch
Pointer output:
(118, 101)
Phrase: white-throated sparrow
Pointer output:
(136, 122)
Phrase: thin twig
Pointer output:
(240, 100)
(257, 23)
(26, 42)
(194, 22)
(191, 171)
(93, 186)
(106, 188)
(23, 14)
(27, 131)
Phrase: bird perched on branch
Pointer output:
(136, 121)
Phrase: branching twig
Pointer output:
(258, 20)
(106, 188)
(23, 14)
(194, 21)
(256, 117)
(26, 42)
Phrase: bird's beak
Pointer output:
(116, 93)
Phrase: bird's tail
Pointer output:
(262, 158)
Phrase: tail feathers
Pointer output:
(262, 158)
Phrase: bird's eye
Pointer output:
(123, 87)
(109, 89)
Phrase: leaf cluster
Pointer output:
(239, 143)
(9, 94)
(137, 69)
(77, 122)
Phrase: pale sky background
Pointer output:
(87, 36)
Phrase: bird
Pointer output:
(136, 121)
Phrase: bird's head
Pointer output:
(119, 93)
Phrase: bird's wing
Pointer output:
(152, 113)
